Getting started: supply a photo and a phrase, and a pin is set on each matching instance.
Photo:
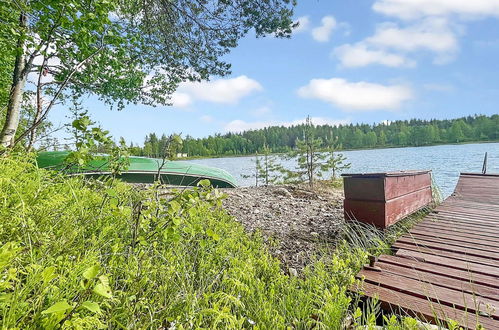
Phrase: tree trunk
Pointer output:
(266, 169)
(310, 161)
(11, 124)
(39, 106)
(32, 135)
(257, 163)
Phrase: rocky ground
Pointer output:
(296, 222)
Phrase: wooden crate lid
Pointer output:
(385, 174)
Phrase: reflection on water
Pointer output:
(446, 162)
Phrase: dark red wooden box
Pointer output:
(382, 199)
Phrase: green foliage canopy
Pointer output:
(7, 56)
(130, 50)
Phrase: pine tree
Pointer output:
(267, 168)
(255, 174)
(312, 162)
(336, 162)
(309, 159)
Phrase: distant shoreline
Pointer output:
(357, 149)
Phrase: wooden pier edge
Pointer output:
(447, 266)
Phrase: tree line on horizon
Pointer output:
(400, 133)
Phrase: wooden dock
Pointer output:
(447, 266)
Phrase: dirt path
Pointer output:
(302, 221)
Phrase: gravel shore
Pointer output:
(296, 222)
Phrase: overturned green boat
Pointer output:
(143, 170)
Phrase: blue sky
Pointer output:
(349, 61)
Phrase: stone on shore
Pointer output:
(303, 222)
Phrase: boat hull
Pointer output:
(142, 170)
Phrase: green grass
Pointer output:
(76, 254)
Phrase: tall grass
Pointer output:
(77, 254)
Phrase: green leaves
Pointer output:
(91, 272)
(204, 272)
(8, 252)
(88, 138)
(129, 51)
(92, 306)
(58, 307)
(205, 183)
(102, 288)
(212, 234)
(111, 192)
(48, 274)
(174, 207)
(82, 123)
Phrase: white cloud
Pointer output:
(206, 119)
(261, 111)
(360, 55)
(356, 96)
(239, 125)
(304, 24)
(323, 33)
(391, 44)
(181, 100)
(222, 91)
(431, 34)
(414, 9)
(346, 27)
(434, 27)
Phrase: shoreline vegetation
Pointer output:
(81, 253)
(360, 149)
(280, 139)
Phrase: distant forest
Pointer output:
(360, 136)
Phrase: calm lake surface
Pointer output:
(446, 162)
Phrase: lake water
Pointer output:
(445, 161)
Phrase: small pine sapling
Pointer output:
(256, 174)
(336, 161)
(268, 169)
(310, 160)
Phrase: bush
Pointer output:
(90, 254)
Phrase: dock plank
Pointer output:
(451, 244)
(443, 280)
(406, 304)
(429, 229)
(463, 264)
(462, 274)
(454, 237)
(450, 255)
(434, 292)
